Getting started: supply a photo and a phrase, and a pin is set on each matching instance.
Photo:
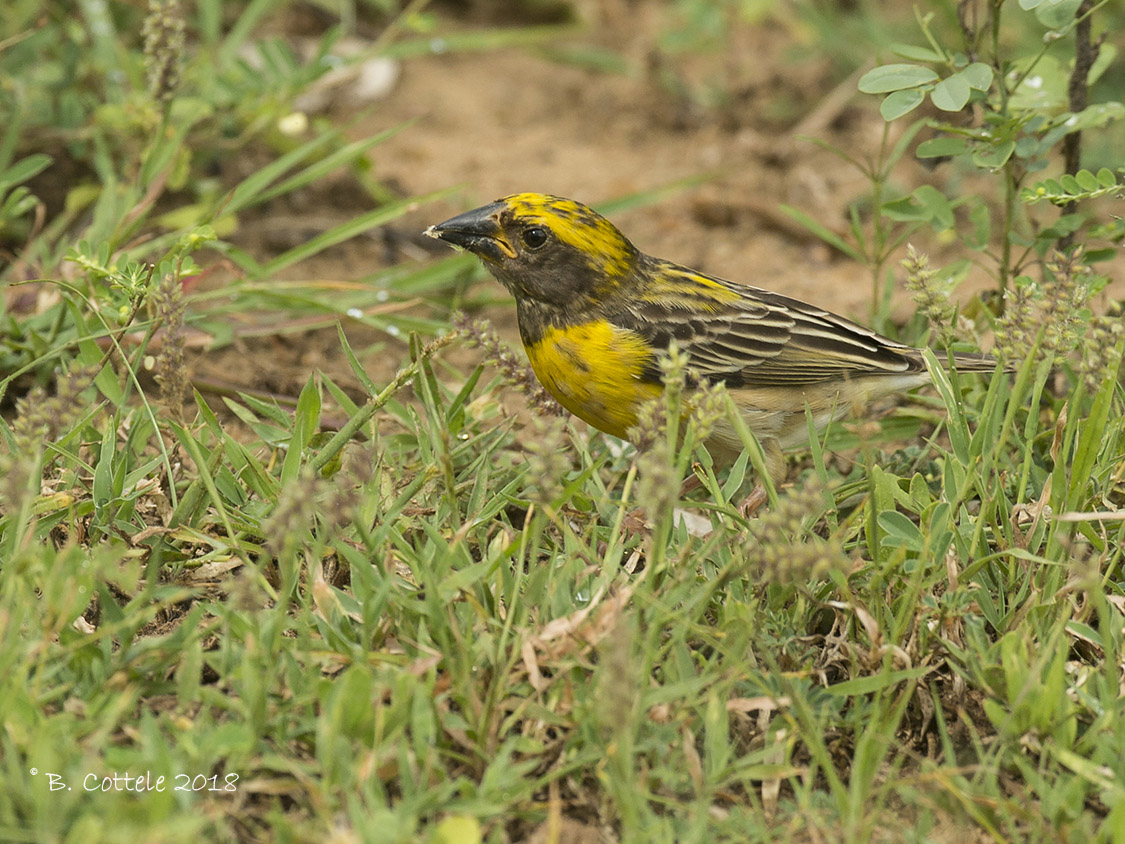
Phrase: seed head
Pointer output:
(166, 304)
(548, 461)
(783, 548)
(514, 371)
(930, 293)
(164, 48)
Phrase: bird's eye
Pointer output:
(534, 237)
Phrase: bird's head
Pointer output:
(541, 247)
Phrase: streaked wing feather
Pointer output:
(757, 337)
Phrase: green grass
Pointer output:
(430, 633)
(435, 620)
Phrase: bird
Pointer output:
(596, 315)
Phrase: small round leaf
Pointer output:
(978, 75)
(1057, 14)
(995, 156)
(1087, 180)
(898, 103)
(939, 147)
(951, 94)
(895, 77)
(918, 54)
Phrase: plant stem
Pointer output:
(1078, 89)
(352, 426)
(1011, 190)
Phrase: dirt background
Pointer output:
(505, 120)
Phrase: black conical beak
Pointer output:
(478, 231)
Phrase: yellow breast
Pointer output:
(594, 370)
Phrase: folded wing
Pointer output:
(747, 337)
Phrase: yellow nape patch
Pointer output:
(576, 225)
(681, 288)
(594, 371)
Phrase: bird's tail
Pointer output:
(975, 362)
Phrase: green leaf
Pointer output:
(942, 146)
(895, 77)
(463, 394)
(357, 367)
(344, 156)
(349, 229)
(249, 190)
(1099, 776)
(1096, 256)
(1028, 147)
(951, 94)
(24, 169)
(246, 21)
(978, 75)
(827, 235)
(90, 354)
(939, 211)
(305, 423)
(994, 157)
(957, 425)
(904, 141)
(103, 471)
(903, 210)
(980, 220)
(1096, 116)
(898, 103)
(1106, 177)
(457, 829)
(917, 54)
(1057, 14)
(876, 682)
(1089, 443)
(1070, 184)
(900, 531)
(1106, 54)
(925, 204)
(1043, 89)
(19, 202)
